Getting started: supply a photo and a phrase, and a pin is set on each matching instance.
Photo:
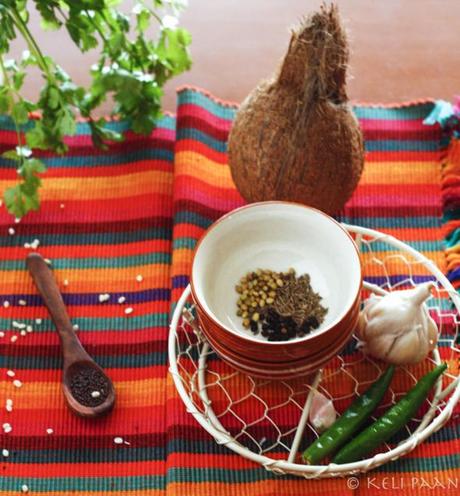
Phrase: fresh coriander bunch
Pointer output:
(132, 68)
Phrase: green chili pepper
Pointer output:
(390, 422)
(350, 421)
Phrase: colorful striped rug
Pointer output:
(108, 217)
(401, 193)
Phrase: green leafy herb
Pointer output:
(132, 68)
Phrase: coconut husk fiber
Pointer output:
(295, 137)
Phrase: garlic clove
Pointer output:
(408, 348)
(379, 346)
(322, 412)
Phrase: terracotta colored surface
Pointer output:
(401, 49)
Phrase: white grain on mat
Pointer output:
(104, 297)
(7, 428)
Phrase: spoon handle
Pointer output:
(47, 287)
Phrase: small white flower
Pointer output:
(104, 297)
(5, 453)
(10, 373)
(169, 22)
(14, 338)
(11, 231)
(6, 304)
(118, 440)
(122, 299)
(17, 383)
(23, 151)
(38, 321)
(49, 431)
(137, 9)
(139, 278)
(129, 310)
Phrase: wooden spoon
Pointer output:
(77, 361)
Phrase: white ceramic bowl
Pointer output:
(275, 235)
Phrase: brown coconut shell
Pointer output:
(295, 137)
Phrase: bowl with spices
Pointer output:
(276, 370)
(277, 282)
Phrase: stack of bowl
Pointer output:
(276, 236)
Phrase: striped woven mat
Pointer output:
(138, 210)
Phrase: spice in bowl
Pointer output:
(279, 305)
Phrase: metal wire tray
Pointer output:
(267, 421)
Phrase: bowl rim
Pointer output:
(296, 363)
(230, 339)
(248, 337)
(337, 344)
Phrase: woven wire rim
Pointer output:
(211, 423)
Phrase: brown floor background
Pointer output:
(401, 49)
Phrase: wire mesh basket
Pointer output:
(267, 421)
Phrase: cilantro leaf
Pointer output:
(131, 71)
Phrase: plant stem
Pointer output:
(152, 12)
(12, 92)
(62, 14)
(97, 28)
(30, 40)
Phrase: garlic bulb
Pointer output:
(397, 327)
(322, 412)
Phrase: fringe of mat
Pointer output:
(451, 211)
